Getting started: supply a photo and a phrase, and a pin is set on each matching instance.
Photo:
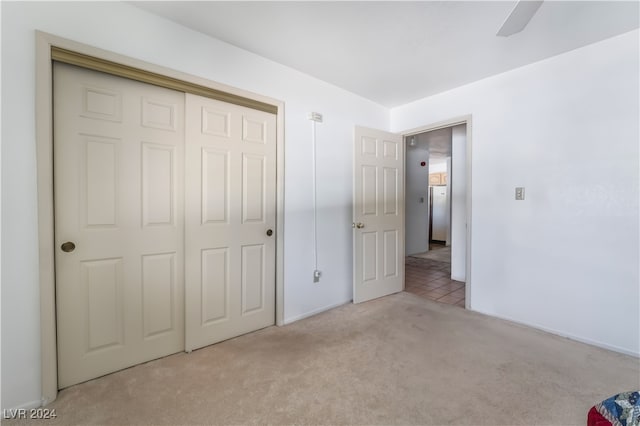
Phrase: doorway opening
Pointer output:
(436, 214)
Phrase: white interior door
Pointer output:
(119, 225)
(378, 214)
(230, 220)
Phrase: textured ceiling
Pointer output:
(396, 52)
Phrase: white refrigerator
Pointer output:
(439, 219)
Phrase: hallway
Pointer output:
(430, 278)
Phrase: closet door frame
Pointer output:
(49, 48)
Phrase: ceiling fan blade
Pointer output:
(519, 17)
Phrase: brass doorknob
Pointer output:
(269, 232)
(68, 247)
(358, 225)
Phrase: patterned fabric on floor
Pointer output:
(622, 409)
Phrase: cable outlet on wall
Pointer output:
(316, 276)
(315, 116)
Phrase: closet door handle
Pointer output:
(269, 232)
(68, 247)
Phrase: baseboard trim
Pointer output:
(314, 312)
(559, 333)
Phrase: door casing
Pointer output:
(466, 119)
(44, 153)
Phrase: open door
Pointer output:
(378, 214)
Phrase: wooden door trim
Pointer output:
(157, 79)
(46, 44)
(466, 119)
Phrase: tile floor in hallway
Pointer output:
(432, 279)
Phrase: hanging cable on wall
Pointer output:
(315, 117)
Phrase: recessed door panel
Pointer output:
(215, 186)
(253, 188)
(390, 149)
(215, 122)
(102, 285)
(157, 184)
(370, 256)
(158, 288)
(390, 192)
(101, 104)
(254, 129)
(390, 253)
(101, 184)
(369, 147)
(215, 285)
(252, 278)
(369, 190)
(158, 115)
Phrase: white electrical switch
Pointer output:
(520, 193)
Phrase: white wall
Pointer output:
(129, 31)
(567, 128)
(458, 182)
(565, 259)
(416, 200)
(449, 223)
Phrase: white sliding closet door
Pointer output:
(230, 220)
(165, 214)
(119, 222)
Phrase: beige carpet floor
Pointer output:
(396, 360)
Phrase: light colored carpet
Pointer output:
(396, 360)
(438, 253)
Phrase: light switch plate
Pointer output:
(520, 193)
